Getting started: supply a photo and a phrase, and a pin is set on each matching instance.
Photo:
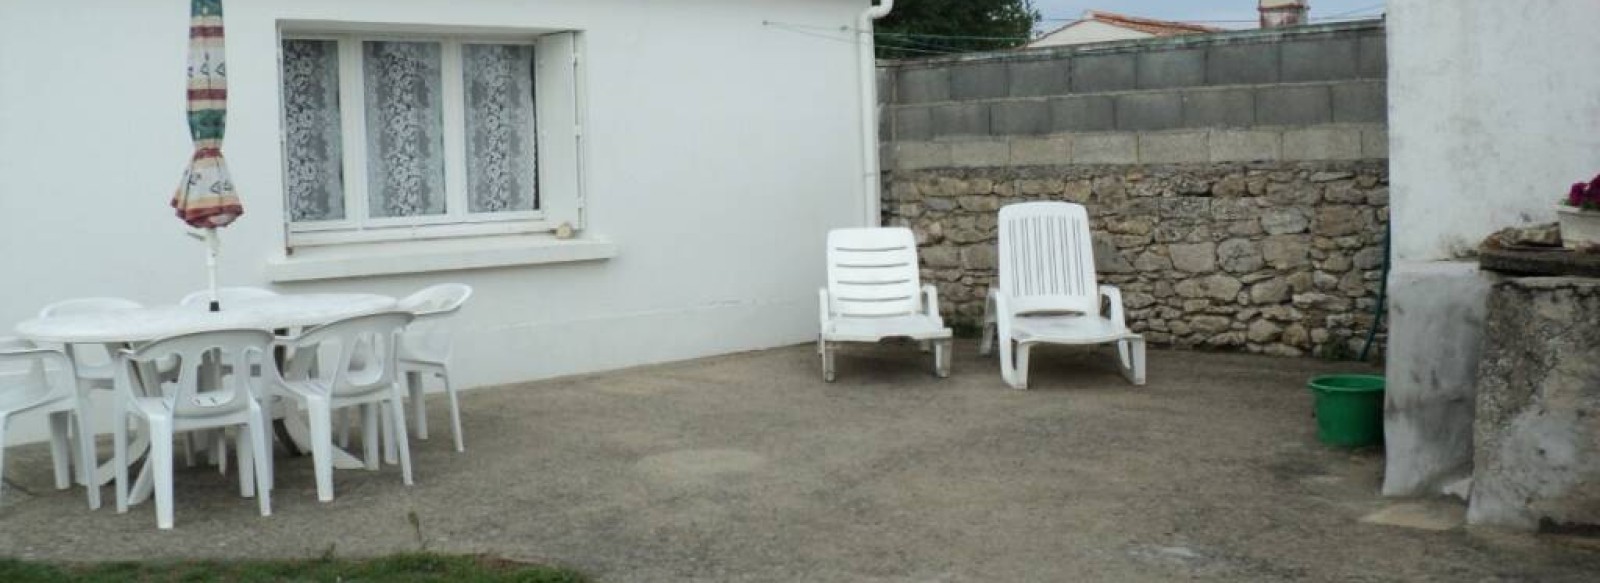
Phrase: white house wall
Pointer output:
(721, 150)
(1494, 111)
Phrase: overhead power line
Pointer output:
(1379, 6)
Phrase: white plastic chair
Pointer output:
(182, 406)
(425, 349)
(875, 292)
(93, 362)
(39, 381)
(225, 295)
(1046, 292)
(218, 449)
(324, 374)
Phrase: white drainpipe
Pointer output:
(869, 111)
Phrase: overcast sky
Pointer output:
(1057, 12)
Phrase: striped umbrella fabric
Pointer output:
(205, 198)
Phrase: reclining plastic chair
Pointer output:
(875, 292)
(39, 381)
(1046, 292)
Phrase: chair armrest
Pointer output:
(823, 313)
(997, 311)
(298, 359)
(1113, 298)
(930, 302)
(122, 378)
(991, 304)
(50, 368)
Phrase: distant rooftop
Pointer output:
(1101, 26)
(1147, 25)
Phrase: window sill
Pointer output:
(346, 261)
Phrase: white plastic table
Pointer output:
(130, 327)
(146, 324)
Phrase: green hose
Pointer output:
(1383, 292)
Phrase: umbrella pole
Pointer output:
(212, 246)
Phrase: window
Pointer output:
(429, 136)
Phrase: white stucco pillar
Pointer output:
(1494, 108)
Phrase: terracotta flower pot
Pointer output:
(1579, 228)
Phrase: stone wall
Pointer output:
(1237, 183)
(1536, 440)
(1282, 259)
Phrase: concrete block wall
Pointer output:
(1237, 182)
(1199, 91)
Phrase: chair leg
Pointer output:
(76, 443)
(986, 343)
(209, 446)
(188, 449)
(161, 460)
(61, 449)
(88, 458)
(321, 447)
(222, 451)
(119, 455)
(1014, 361)
(1008, 362)
(941, 358)
(398, 409)
(247, 478)
(344, 428)
(1131, 359)
(1023, 349)
(386, 437)
(455, 411)
(419, 407)
(827, 362)
(261, 454)
(369, 435)
(266, 445)
(2, 456)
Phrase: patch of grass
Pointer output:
(405, 568)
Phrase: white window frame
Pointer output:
(560, 178)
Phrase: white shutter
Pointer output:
(559, 86)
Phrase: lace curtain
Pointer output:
(405, 136)
(403, 105)
(313, 167)
(502, 162)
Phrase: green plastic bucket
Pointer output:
(1349, 409)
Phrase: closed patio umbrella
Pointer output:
(206, 199)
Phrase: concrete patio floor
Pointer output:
(749, 468)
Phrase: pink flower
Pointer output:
(1585, 196)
